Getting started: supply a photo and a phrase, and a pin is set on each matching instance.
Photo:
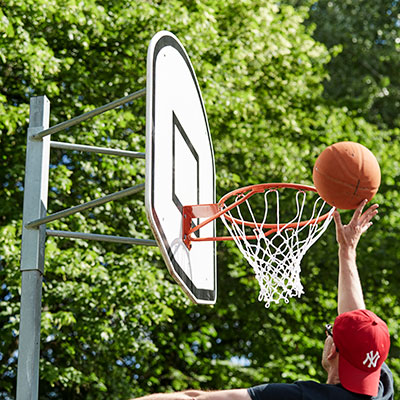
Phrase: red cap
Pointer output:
(363, 342)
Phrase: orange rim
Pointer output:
(249, 191)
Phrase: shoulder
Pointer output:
(303, 390)
(385, 389)
(385, 371)
(271, 391)
(314, 390)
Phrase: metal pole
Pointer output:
(85, 206)
(96, 149)
(80, 118)
(32, 250)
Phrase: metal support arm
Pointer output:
(80, 118)
(96, 149)
(104, 238)
(85, 206)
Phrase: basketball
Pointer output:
(345, 174)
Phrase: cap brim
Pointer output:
(358, 381)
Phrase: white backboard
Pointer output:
(179, 165)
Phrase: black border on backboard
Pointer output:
(198, 293)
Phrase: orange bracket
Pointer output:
(209, 211)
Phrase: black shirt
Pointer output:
(311, 390)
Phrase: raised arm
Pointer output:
(350, 294)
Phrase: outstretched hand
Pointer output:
(349, 235)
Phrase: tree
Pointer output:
(114, 323)
(364, 35)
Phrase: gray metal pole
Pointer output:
(33, 249)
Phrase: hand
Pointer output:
(348, 235)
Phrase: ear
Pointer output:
(332, 354)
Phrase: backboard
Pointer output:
(179, 165)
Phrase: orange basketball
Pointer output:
(345, 174)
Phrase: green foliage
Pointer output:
(364, 75)
(114, 324)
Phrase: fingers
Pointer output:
(337, 219)
(369, 214)
(362, 221)
(359, 210)
(359, 218)
(365, 227)
(349, 235)
(339, 225)
(366, 218)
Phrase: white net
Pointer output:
(276, 253)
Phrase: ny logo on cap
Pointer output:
(373, 359)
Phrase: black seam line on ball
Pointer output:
(358, 184)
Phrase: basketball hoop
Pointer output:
(273, 249)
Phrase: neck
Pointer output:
(333, 376)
